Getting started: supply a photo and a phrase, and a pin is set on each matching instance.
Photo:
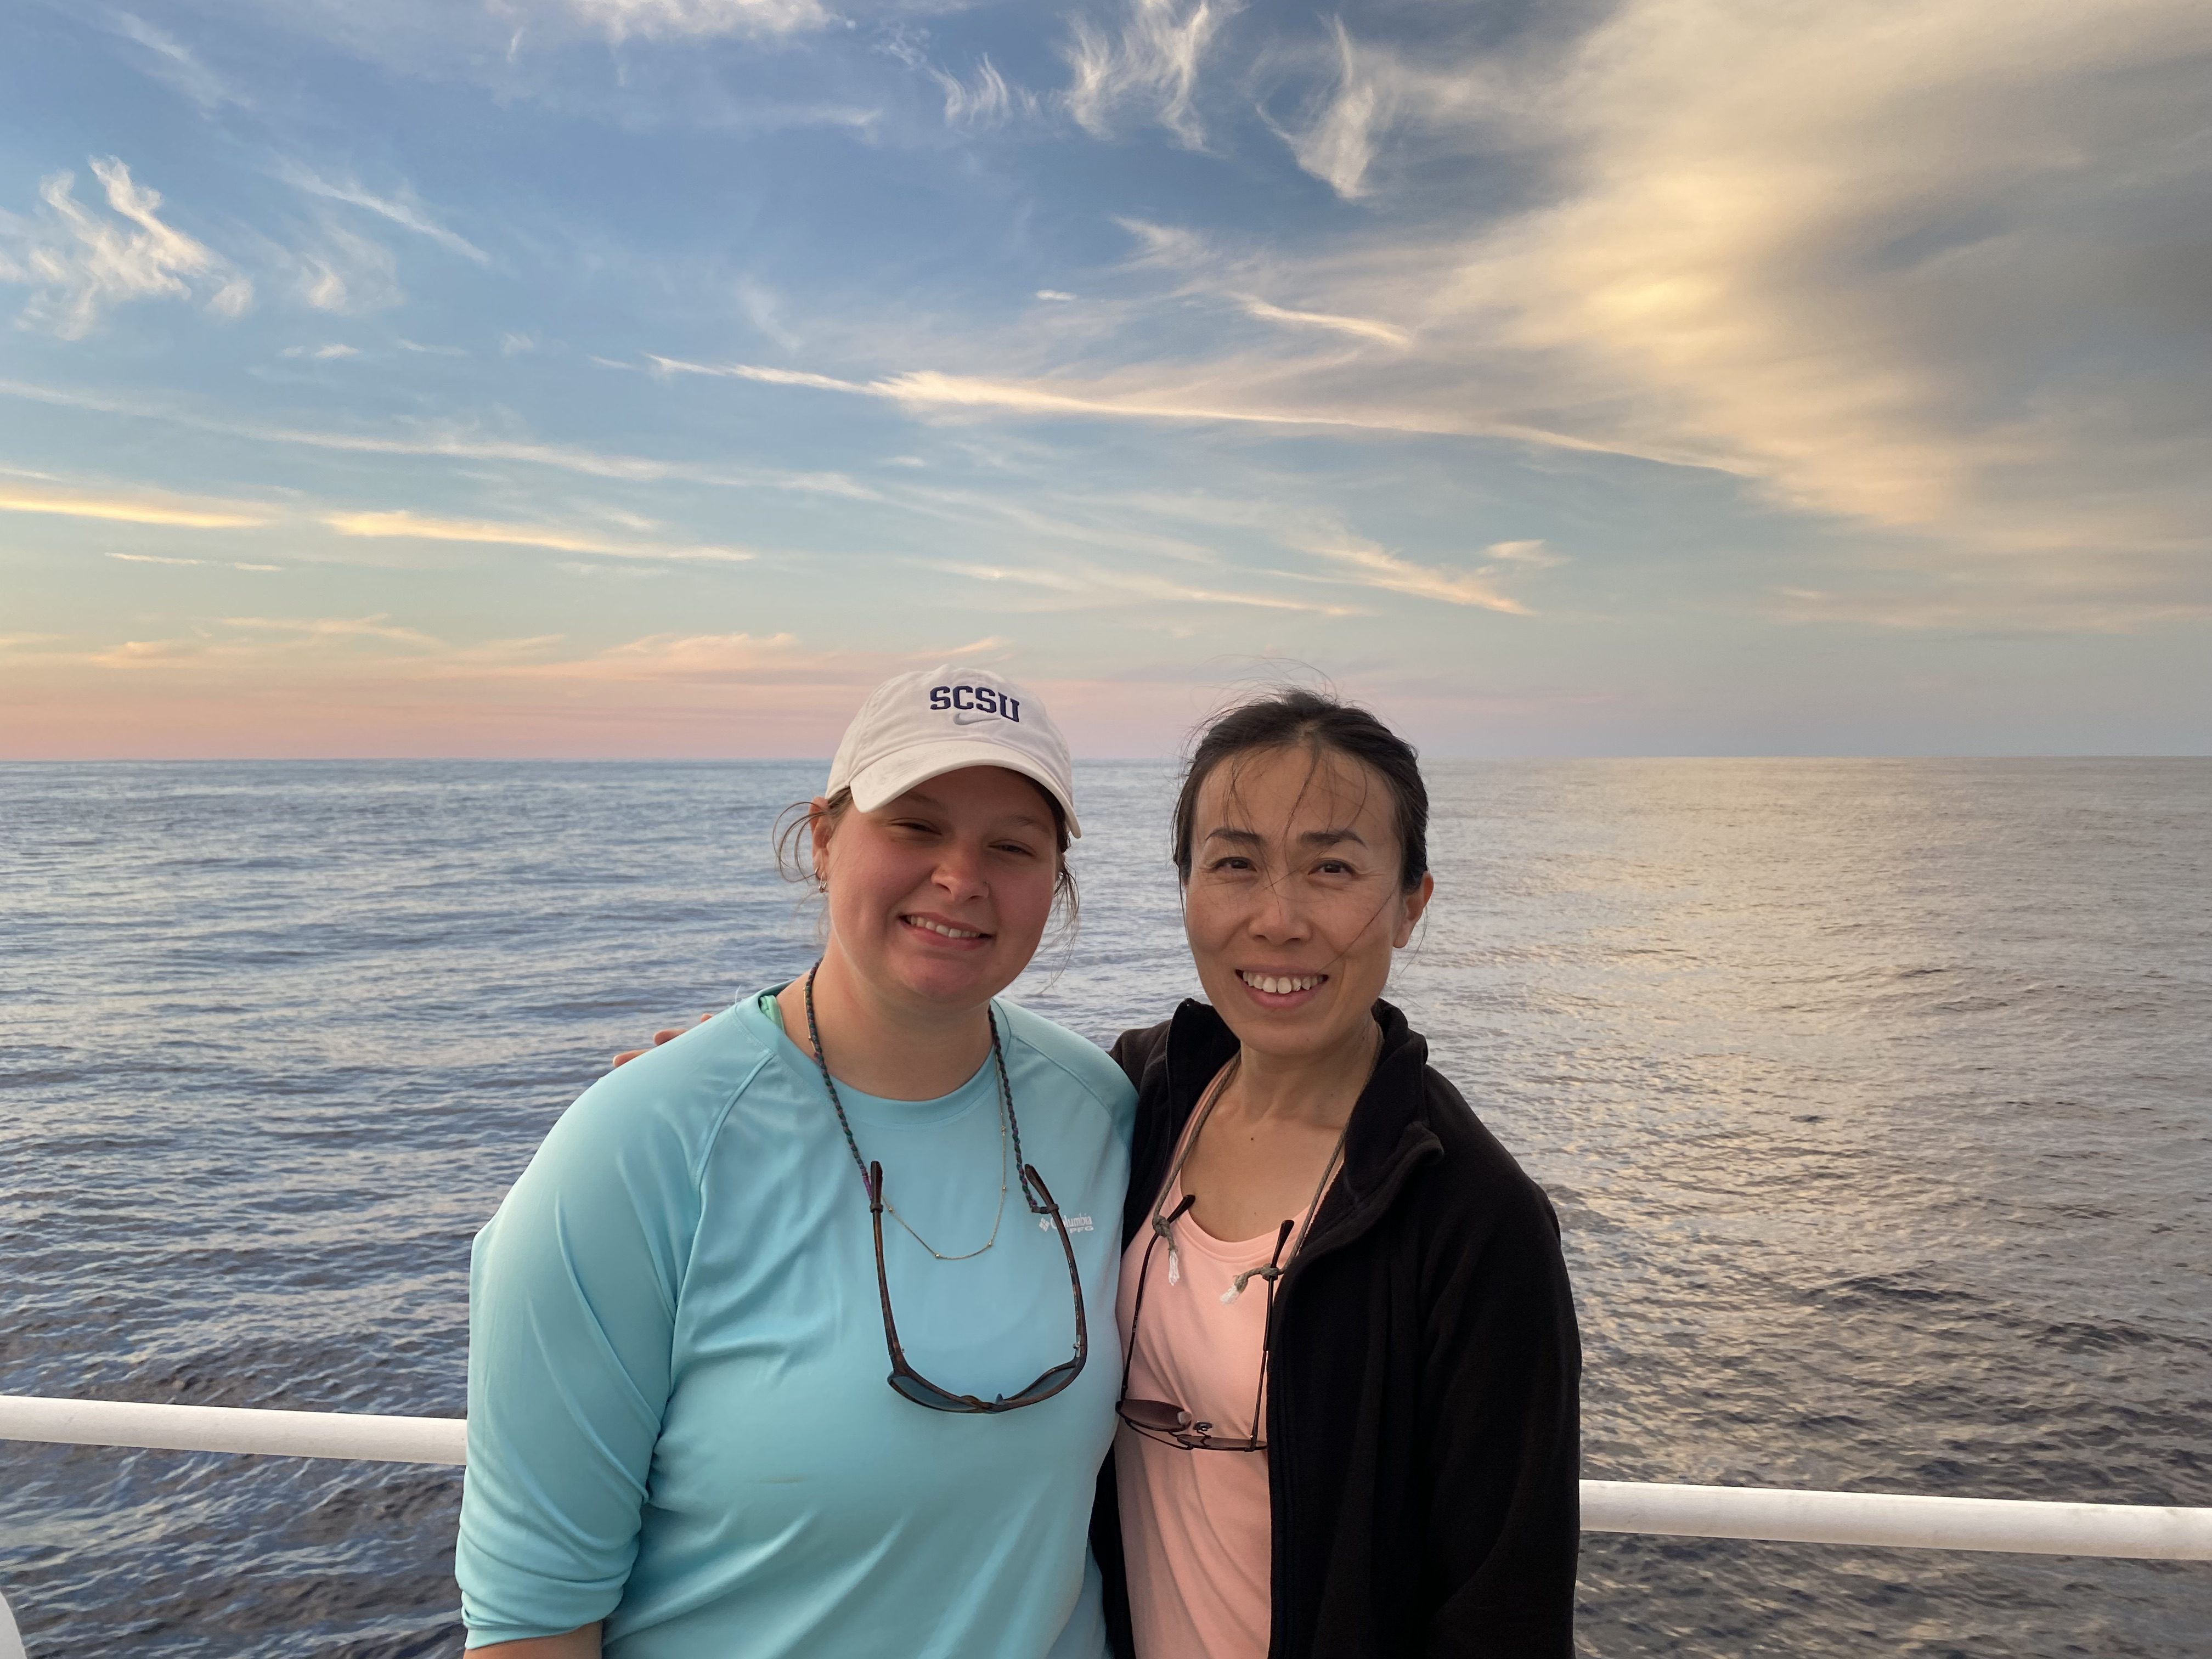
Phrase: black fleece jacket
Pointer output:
(1422, 1424)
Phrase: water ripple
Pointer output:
(1874, 1095)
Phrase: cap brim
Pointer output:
(893, 775)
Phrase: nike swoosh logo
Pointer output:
(970, 716)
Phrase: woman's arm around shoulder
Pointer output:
(1135, 1050)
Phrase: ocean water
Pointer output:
(1876, 1096)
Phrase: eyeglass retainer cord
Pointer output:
(1008, 1124)
(1163, 1225)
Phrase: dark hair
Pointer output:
(794, 846)
(1299, 718)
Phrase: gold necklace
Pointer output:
(1006, 1119)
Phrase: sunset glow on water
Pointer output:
(1872, 1096)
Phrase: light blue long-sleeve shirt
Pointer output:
(678, 1420)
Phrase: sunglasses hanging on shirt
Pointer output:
(1161, 1419)
(905, 1381)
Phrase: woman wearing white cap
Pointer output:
(778, 1346)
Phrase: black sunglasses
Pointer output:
(1164, 1421)
(912, 1384)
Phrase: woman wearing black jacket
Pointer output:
(1382, 1460)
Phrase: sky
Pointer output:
(603, 378)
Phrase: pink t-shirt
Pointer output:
(1195, 1525)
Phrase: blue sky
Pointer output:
(583, 377)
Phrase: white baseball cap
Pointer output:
(918, 726)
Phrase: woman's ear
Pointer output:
(819, 829)
(1416, 901)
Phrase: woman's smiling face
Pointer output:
(1293, 905)
(940, 897)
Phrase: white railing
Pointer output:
(232, 1429)
(1757, 1512)
(1898, 1521)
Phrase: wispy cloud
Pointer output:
(1224, 393)
(989, 645)
(1375, 90)
(764, 310)
(460, 443)
(2119, 594)
(697, 658)
(1202, 266)
(1866, 279)
(1535, 554)
(342, 647)
(1374, 566)
(1359, 560)
(316, 684)
(1338, 145)
(178, 513)
(143, 506)
(403, 209)
(1367, 327)
(419, 528)
(1908, 288)
(175, 64)
(1915, 293)
(80, 264)
(1075, 585)
(222, 564)
(1149, 59)
(663, 19)
(764, 374)
(334, 627)
(982, 102)
(1109, 525)
(229, 641)
(344, 272)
